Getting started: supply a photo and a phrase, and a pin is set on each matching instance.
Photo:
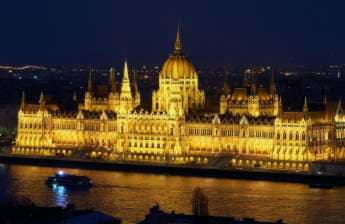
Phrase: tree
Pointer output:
(199, 202)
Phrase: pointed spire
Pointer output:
(325, 100)
(75, 98)
(125, 86)
(42, 102)
(125, 72)
(89, 84)
(305, 106)
(22, 103)
(112, 80)
(253, 84)
(273, 90)
(178, 44)
(111, 75)
(339, 107)
(226, 87)
(245, 79)
(42, 98)
(135, 84)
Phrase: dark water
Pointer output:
(130, 195)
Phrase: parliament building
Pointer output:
(250, 128)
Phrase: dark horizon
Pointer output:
(246, 32)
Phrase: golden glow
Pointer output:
(251, 129)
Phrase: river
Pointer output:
(130, 195)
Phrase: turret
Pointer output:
(126, 99)
(224, 96)
(114, 95)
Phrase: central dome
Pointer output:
(178, 66)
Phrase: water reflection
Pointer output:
(61, 196)
(130, 195)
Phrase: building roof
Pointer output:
(229, 118)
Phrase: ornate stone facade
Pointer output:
(250, 129)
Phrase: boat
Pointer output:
(321, 185)
(67, 180)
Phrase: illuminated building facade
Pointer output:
(251, 129)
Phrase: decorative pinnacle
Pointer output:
(89, 84)
(125, 71)
(272, 77)
(305, 106)
(339, 108)
(42, 98)
(22, 104)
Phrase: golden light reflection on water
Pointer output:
(130, 195)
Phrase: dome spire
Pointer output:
(178, 45)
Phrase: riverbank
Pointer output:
(178, 170)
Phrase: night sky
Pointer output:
(269, 32)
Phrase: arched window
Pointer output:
(290, 135)
(297, 136)
(303, 136)
(330, 135)
(284, 135)
(278, 135)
